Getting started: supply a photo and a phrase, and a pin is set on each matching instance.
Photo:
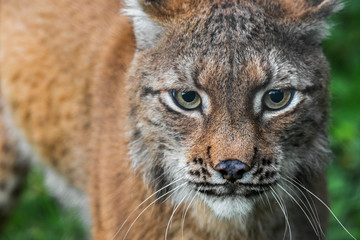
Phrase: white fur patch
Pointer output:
(229, 208)
(257, 103)
(222, 207)
(147, 31)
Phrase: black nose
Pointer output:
(232, 170)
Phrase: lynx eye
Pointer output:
(186, 100)
(278, 99)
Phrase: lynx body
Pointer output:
(214, 112)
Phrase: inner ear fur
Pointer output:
(150, 17)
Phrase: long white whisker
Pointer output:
(262, 199)
(302, 209)
(287, 224)
(316, 214)
(322, 202)
(286, 211)
(313, 204)
(267, 198)
(163, 175)
(183, 220)
(313, 211)
(171, 191)
(172, 215)
(118, 231)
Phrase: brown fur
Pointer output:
(64, 77)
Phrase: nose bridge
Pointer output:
(233, 142)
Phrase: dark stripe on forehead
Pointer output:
(148, 91)
(195, 77)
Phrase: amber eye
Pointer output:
(278, 99)
(186, 100)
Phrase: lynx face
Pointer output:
(230, 98)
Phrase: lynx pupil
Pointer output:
(188, 96)
(277, 95)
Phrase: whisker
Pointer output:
(262, 199)
(287, 224)
(118, 231)
(172, 215)
(328, 208)
(313, 204)
(313, 211)
(267, 198)
(184, 216)
(316, 213)
(297, 203)
(286, 211)
(171, 191)
(163, 175)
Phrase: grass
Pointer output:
(38, 216)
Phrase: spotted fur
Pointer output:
(96, 106)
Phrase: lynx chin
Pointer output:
(170, 119)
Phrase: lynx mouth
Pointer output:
(246, 190)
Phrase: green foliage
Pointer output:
(39, 217)
(343, 51)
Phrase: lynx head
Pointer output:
(229, 96)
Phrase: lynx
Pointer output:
(171, 119)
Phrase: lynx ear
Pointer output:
(150, 18)
(147, 31)
(314, 26)
(321, 9)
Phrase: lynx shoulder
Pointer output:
(181, 119)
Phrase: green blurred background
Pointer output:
(38, 216)
(343, 52)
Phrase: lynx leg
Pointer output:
(13, 171)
